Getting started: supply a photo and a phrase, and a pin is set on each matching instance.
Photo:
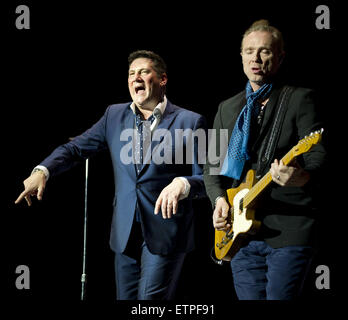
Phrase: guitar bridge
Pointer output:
(225, 240)
(229, 235)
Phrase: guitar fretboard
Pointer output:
(265, 181)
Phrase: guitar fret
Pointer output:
(301, 147)
(264, 182)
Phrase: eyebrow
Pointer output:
(258, 48)
(141, 69)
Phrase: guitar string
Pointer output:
(266, 179)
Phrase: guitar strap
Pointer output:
(269, 144)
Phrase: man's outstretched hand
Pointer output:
(34, 185)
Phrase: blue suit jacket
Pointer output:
(162, 236)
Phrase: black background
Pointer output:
(59, 77)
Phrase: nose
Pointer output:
(138, 78)
(135, 77)
(256, 57)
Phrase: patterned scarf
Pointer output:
(237, 152)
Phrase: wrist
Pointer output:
(218, 198)
(185, 190)
(182, 183)
(38, 171)
(41, 170)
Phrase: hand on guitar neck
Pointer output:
(289, 176)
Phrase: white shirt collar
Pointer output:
(161, 106)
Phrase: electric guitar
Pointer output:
(242, 203)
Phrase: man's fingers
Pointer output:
(167, 203)
(26, 194)
(220, 220)
(225, 228)
(34, 185)
(225, 212)
(217, 213)
(169, 209)
(172, 207)
(222, 226)
(164, 208)
(40, 192)
(220, 217)
(158, 204)
(28, 199)
(21, 196)
(175, 206)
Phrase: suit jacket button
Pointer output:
(138, 186)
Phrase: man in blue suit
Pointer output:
(152, 225)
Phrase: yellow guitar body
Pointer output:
(242, 203)
(242, 219)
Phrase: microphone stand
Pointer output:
(84, 275)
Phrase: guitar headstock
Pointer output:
(305, 144)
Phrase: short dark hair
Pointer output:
(158, 63)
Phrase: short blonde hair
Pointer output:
(264, 25)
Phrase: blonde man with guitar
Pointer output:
(264, 213)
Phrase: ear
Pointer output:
(164, 79)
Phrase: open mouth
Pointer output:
(256, 70)
(139, 89)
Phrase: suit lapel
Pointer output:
(167, 119)
(128, 123)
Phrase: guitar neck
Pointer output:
(255, 191)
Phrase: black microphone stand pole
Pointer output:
(84, 275)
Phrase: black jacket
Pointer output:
(288, 214)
